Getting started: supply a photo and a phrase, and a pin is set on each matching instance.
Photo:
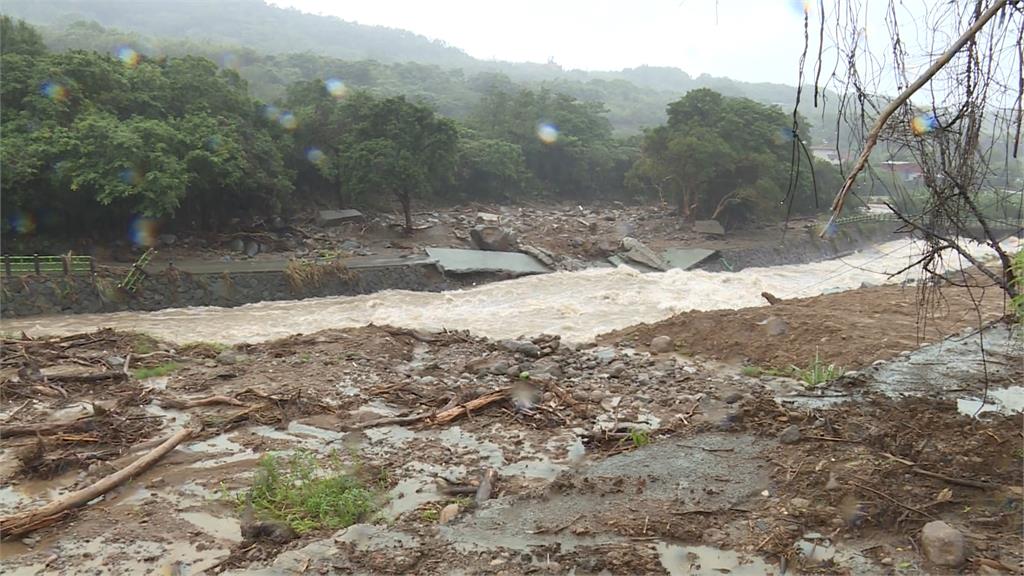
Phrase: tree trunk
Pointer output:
(406, 200)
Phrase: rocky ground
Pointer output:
(631, 456)
(573, 234)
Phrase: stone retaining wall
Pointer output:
(33, 295)
(804, 246)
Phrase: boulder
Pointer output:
(943, 545)
(493, 238)
(252, 248)
(637, 251)
(711, 227)
(662, 344)
(167, 239)
(790, 435)
(775, 326)
(236, 245)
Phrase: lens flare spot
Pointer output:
(315, 155)
(130, 176)
(548, 133)
(229, 60)
(21, 222)
(213, 143)
(54, 91)
(128, 56)
(923, 124)
(801, 7)
(288, 121)
(144, 231)
(271, 112)
(336, 87)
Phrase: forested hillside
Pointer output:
(272, 47)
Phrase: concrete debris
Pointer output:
(775, 326)
(337, 217)
(546, 258)
(469, 261)
(493, 238)
(686, 258)
(791, 435)
(637, 251)
(710, 227)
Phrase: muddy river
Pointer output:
(576, 305)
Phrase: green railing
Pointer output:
(39, 265)
(886, 217)
(137, 272)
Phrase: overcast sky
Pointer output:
(754, 40)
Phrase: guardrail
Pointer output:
(883, 217)
(40, 265)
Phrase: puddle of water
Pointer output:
(409, 494)
(220, 528)
(1004, 401)
(314, 432)
(708, 561)
(533, 469)
(389, 435)
(456, 437)
(18, 496)
(375, 537)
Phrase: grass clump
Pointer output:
(817, 372)
(308, 492)
(640, 437)
(161, 370)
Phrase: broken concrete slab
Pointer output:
(459, 261)
(686, 258)
(617, 260)
(712, 227)
(336, 217)
(637, 251)
(547, 258)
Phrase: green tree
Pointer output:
(720, 157)
(20, 38)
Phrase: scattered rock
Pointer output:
(493, 238)
(775, 326)
(733, 398)
(790, 435)
(230, 357)
(448, 513)
(800, 503)
(236, 245)
(167, 239)
(350, 245)
(269, 530)
(662, 344)
(943, 545)
(771, 298)
(713, 535)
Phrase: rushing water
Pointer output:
(576, 305)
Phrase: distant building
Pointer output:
(829, 155)
(905, 171)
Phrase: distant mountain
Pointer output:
(274, 46)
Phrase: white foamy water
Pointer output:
(576, 305)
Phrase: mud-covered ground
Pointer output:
(610, 459)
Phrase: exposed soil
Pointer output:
(608, 458)
(850, 329)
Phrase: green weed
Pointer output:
(752, 371)
(143, 344)
(308, 492)
(817, 372)
(161, 370)
(430, 515)
(640, 437)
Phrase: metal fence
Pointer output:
(39, 265)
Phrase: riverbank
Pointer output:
(359, 257)
(630, 456)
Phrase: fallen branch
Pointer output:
(194, 403)
(872, 137)
(24, 522)
(91, 377)
(394, 420)
(446, 416)
(48, 428)
(893, 500)
(952, 480)
(487, 481)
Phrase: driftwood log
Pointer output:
(27, 521)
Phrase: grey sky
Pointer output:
(755, 40)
